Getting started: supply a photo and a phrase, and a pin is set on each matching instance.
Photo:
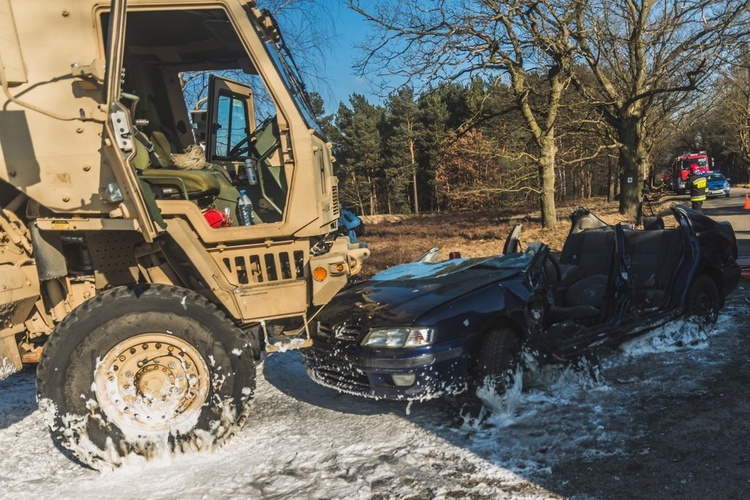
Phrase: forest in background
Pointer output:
(539, 102)
(465, 146)
(529, 103)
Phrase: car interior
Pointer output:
(586, 267)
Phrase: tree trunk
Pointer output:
(547, 179)
(373, 196)
(611, 182)
(632, 165)
(360, 202)
(414, 174)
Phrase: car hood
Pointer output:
(401, 295)
(715, 184)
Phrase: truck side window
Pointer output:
(231, 125)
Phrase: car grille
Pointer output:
(337, 372)
(343, 381)
(346, 332)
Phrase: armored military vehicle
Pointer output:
(151, 249)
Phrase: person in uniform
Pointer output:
(698, 186)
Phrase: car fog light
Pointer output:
(404, 379)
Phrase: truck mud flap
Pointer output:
(280, 340)
(10, 359)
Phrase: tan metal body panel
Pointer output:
(60, 163)
(56, 162)
(11, 57)
(65, 139)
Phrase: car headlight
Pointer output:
(399, 337)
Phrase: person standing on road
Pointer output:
(698, 186)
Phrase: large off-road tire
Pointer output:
(703, 301)
(145, 370)
(499, 361)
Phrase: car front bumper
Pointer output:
(718, 192)
(398, 374)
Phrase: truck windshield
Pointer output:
(284, 63)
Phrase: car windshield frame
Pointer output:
(716, 177)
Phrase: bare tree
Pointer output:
(732, 97)
(452, 40)
(647, 58)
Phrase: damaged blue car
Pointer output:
(426, 329)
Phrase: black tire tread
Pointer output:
(704, 282)
(61, 349)
(499, 353)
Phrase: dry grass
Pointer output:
(398, 239)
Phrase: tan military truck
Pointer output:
(124, 270)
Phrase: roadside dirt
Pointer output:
(395, 239)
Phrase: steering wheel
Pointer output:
(246, 147)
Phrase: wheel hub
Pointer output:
(151, 383)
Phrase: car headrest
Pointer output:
(651, 223)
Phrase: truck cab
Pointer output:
(129, 131)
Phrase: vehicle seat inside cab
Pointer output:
(654, 256)
(169, 181)
(209, 187)
(585, 265)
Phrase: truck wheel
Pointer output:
(145, 370)
(703, 300)
(499, 360)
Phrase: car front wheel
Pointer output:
(703, 300)
(499, 363)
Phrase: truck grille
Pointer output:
(265, 267)
(335, 196)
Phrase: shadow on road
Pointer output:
(18, 397)
(665, 424)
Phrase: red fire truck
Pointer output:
(680, 169)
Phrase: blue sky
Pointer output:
(351, 30)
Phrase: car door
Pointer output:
(653, 271)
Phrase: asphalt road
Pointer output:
(732, 209)
(729, 209)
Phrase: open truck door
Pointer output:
(230, 118)
(119, 138)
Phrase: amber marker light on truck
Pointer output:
(320, 274)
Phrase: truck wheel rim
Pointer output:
(152, 383)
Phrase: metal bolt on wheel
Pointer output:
(151, 382)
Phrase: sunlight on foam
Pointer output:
(674, 336)
(6, 368)
(502, 404)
